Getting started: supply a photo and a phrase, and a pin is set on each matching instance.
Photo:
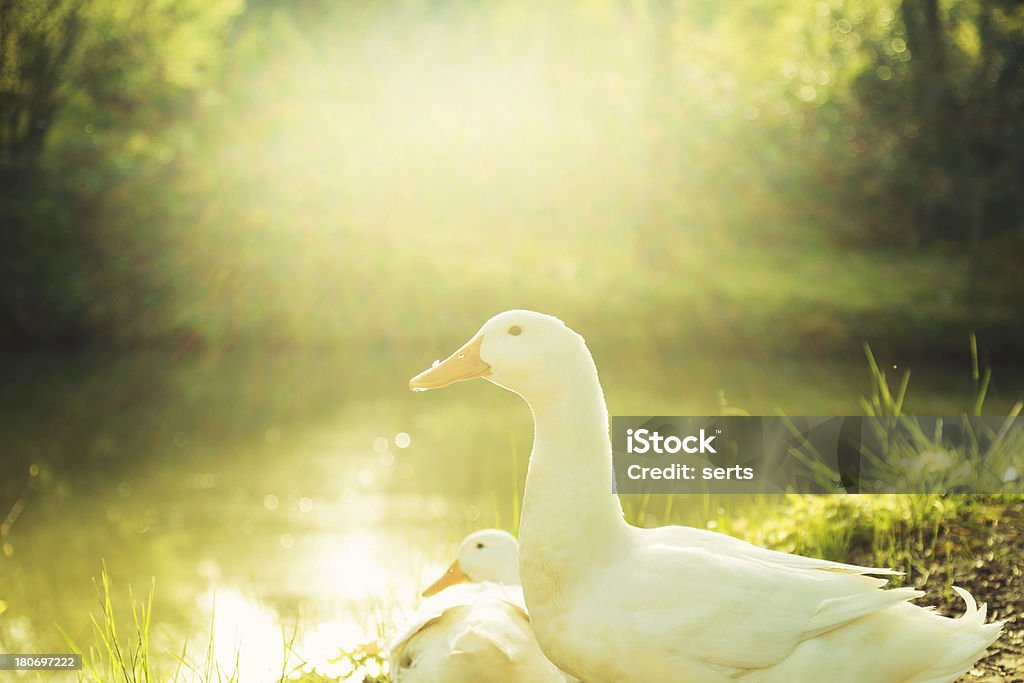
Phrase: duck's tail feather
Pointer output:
(836, 612)
(969, 638)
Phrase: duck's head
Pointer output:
(488, 555)
(523, 351)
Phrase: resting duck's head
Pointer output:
(488, 555)
(523, 351)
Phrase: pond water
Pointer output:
(300, 492)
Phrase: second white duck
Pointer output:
(473, 626)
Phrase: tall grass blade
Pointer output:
(979, 400)
(974, 357)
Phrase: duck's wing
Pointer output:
(471, 632)
(738, 612)
(422, 652)
(448, 605)
(728, 545)
(421, 621)
(430, 612)
(501, 624)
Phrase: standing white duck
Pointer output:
(473, 627)
(611, 603)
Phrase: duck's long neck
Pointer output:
(569, 500)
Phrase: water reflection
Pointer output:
(244, 634)
(360, 595)
(255, 642)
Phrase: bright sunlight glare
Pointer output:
(345, 166)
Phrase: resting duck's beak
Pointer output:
(463, 364)
(451, 577)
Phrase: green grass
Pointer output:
(121, 651)
(904, 532)
(123, 654)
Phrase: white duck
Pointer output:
(611, 603)
(475, 631)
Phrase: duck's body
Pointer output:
(473, 631)
(741, 620)
(612, 603)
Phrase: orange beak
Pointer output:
(451, 577)
(461, 365)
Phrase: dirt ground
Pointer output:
(993, 573)
(996, 579)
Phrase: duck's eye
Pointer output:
(515, 330)
(479, 546)
(406, 661)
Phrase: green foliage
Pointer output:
(92, 96)
(929, 124)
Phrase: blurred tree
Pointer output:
(39, 256)
(37, 41)
(890, 122)
(88, 90)
(934, 118)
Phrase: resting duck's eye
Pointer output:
(515, 330)
(479, 546)
(405, 662)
